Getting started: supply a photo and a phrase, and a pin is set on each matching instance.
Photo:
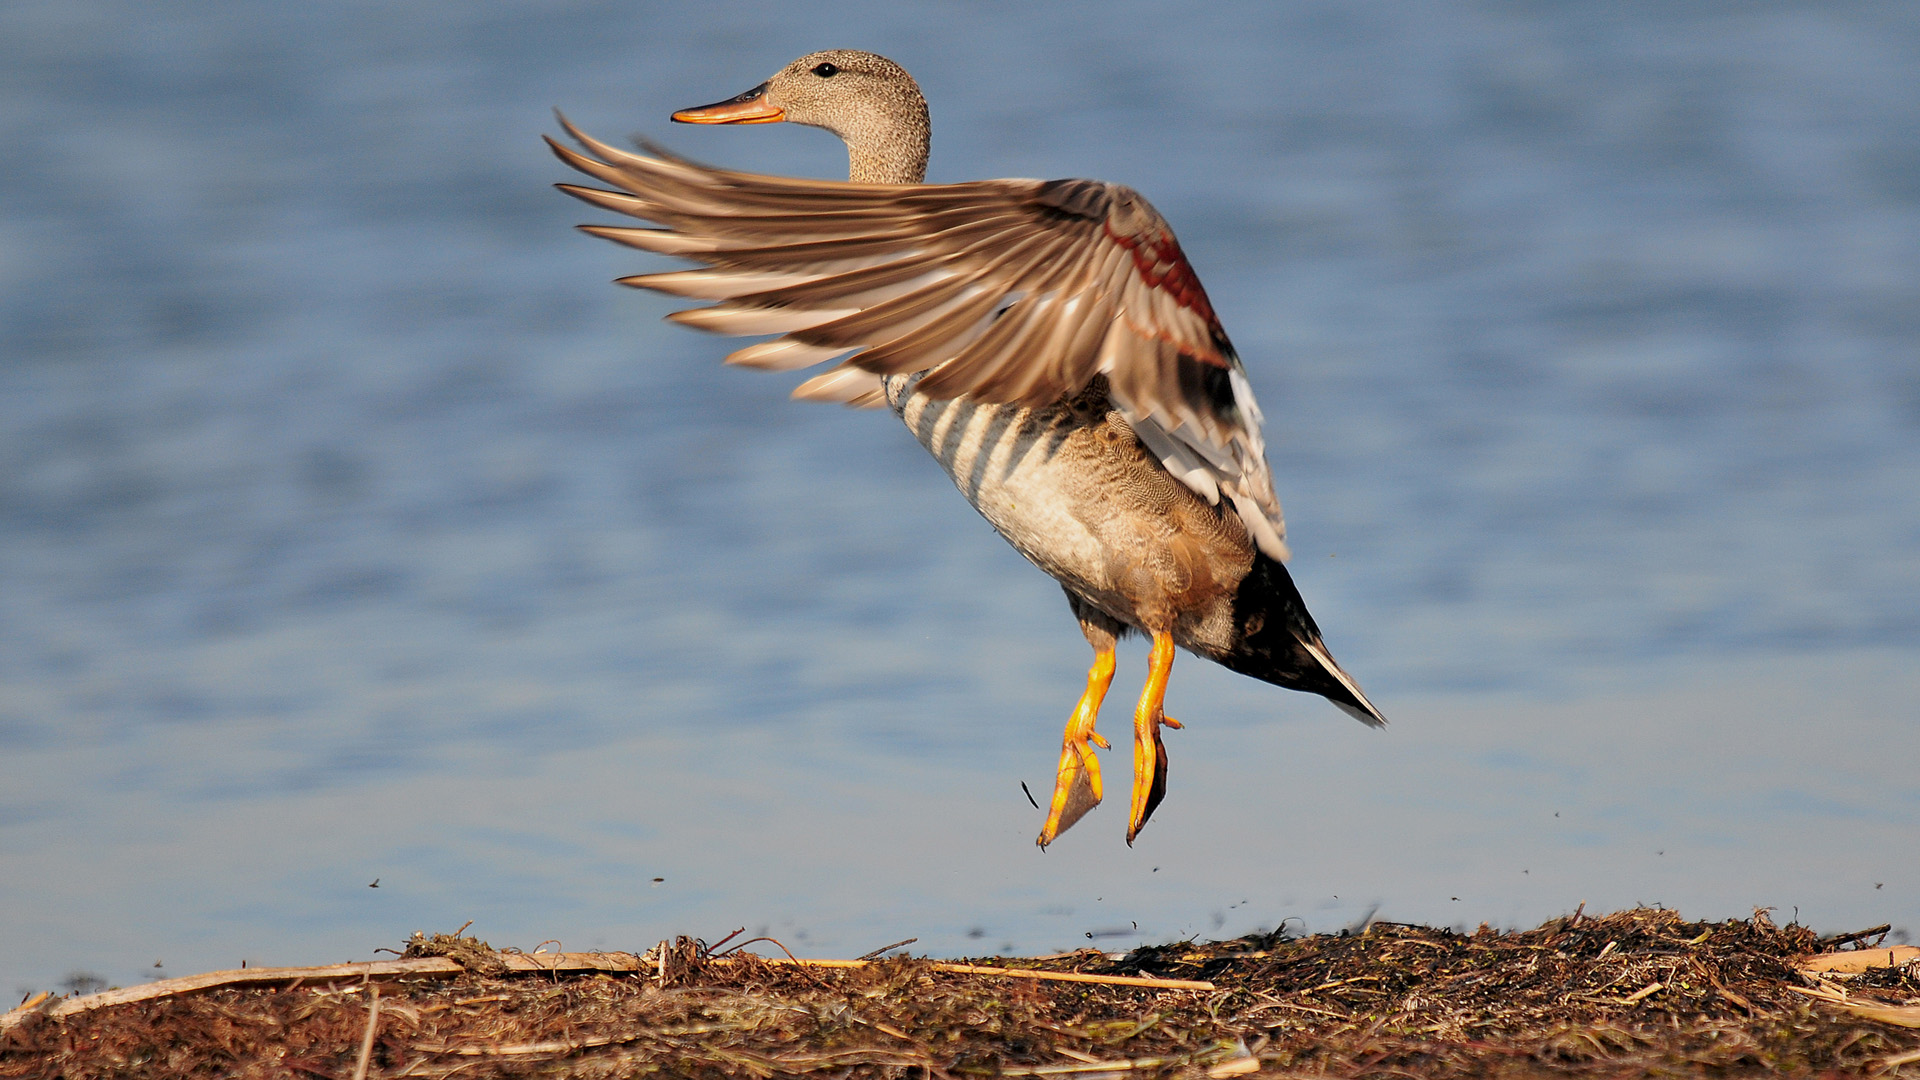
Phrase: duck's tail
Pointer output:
(1275, 640)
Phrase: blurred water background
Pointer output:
(353, 528)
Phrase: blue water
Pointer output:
(352, 527)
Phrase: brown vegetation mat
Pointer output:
(1635, 993)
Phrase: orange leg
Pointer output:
(1149, 755)
(1076, 789)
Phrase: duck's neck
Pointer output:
(890, 151)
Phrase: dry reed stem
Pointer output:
(1003, 972)
(1855, 961)
(410, 967)
(373, 1026)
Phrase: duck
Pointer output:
(1048, 342)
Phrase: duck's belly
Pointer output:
(1069, 486)
(1006, 460)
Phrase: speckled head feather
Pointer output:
(869, 101)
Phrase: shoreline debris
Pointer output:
(1632, 993)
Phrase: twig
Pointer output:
(1723, 989)
(1123, 1065)
(1823, 992)
(1644, 992)
(1233, 1065)
(875, 954)
(729, 957)
(772, 941)
(1858, 935)
(879, 1025)
(1903, 1015)
(1239, 1066)
(1302, 1008)
(373, 1024)
(1897, 1060)
(430, 967)
(35, 1005)
(1007, 973)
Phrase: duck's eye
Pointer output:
(825, 71)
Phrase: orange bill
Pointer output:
(751, 107)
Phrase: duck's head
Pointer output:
(868, 100)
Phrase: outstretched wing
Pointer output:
(1003, 291)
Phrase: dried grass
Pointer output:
(1636, 993)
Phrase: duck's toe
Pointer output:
(1149, 780)
(1076, 788)
(1149, 753)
